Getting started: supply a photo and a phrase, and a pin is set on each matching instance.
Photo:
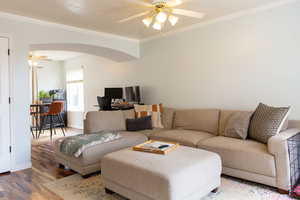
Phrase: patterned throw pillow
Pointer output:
(266, 122)
(155, 111)
(238, 125)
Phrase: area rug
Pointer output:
(76, 188)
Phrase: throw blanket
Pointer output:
(75, 145)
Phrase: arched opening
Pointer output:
(85, 74)
(108, 53)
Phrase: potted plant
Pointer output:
(44, 96)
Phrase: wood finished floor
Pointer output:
(28, 184)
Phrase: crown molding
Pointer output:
(229, 17)
(64, 27)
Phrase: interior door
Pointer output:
(4, 107)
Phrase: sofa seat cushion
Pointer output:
(183, 137)
(147, 133)
(94, 154)
(247, 155)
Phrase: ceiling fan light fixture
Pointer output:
(173, 20)
(161, 17)
(157, 26)
(147, 21)
(162, 11)
(31, 63)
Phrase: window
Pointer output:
(75, 97)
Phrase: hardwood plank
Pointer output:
(28, 184)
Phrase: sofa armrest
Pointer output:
(277, 146)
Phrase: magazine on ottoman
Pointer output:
(158, 147)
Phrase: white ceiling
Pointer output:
(103, 15)
(57, 55)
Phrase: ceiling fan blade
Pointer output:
(37, 57)
(134, 16)
(173, 3)
(188, 13)
(140, 2)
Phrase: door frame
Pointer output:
(10, 88)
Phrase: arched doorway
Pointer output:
(75, 85)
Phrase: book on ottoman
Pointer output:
(158, 147)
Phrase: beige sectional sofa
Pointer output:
(203, 128)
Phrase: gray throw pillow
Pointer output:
(238, 124)
(266, 122)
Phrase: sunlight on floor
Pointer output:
(45, 137)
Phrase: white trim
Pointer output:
(63, 26)
(75, 126)
(232, 16)
(21, 167)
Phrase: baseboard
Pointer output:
(21, 166)
(75, 126)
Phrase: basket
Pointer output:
(294, 156)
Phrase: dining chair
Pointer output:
(55, 118)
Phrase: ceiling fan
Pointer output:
(161, 11)
(33, 59)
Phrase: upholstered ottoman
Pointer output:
(183, 174)
(90, 160)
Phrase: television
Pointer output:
(133, 94)
(114, 93)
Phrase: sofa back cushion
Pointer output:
(129, 114)
(224, 117)
(168, 118)
(238, 124)
(96, 121)
(294, 124)
(197, 119)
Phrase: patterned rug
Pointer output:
(76, 188)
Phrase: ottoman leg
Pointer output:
(215, 190)
(108, 191)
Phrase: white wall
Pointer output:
(22, 35)
(234, 64)
(75, 119)
(51, 75)
(100, 73)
